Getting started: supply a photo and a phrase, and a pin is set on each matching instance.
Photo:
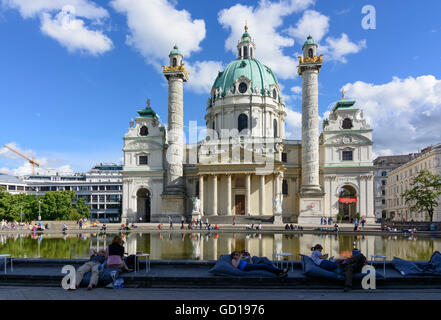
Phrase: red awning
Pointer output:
(347, 200)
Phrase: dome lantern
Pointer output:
(246, 46)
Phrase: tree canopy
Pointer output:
(54, 205)
(424, 193)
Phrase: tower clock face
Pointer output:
(243, 87)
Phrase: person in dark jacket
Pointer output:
(353, 265)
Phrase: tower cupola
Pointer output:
(309, 48)
(246, 46)
(176, 57)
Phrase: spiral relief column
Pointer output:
(311, 193)
(173, 198)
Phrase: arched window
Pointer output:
(245, 52)
(144, 131)
(347, 123)
(251, 52)
(175, 62)
(242, 122)
(274, 94)
(310, 53)
(275, 128)
(384, 173)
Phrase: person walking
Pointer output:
(355, 224)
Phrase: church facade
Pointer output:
(245, 166)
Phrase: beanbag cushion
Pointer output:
(313, 270)
(105, 277)
(223, 267)
(430, 268)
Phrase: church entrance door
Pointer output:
(348, 203)
(240, 204)
(143, 202)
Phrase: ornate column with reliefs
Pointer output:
(311, 193)
(174, 194)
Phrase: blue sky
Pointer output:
(74, 72)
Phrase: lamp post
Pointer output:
(39, 210)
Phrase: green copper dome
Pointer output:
(309, 40)
(260, 75)
(175, 51)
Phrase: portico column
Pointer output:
(228, 194)
(262, 195)
(214, 195)
(247, 193)
(201, 193)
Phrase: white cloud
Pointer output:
(65, 27)
(202, 75)
(404, 113)
(155, 26)
(33, 8)
(293, 124)
(312, 23)
(317, 25)
(338, 48)
(71, 33)
(263, 22)
(47, 166)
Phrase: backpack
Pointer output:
(130, 261)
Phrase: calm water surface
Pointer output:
(209, 246)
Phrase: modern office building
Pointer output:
(100, 187)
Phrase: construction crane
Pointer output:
(31, 161)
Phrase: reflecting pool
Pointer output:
(209, 246)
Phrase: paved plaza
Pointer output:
(54, 293)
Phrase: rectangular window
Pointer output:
(11, 188)
(143, 160)
(347, 155)
(285, 187)
(284, 157)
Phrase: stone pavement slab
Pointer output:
(51, 293)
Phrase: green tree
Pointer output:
(424, 192)
(82, 208)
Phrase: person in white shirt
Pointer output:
(321, 259)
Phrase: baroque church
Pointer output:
(245, 168)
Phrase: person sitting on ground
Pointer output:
(95, 261)
(291, 226)
(104, 227)
(336, 227)
(353, 265)
(115, 255)
(239, 261)
(64, 228)
(321, 259)
(287, 227)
